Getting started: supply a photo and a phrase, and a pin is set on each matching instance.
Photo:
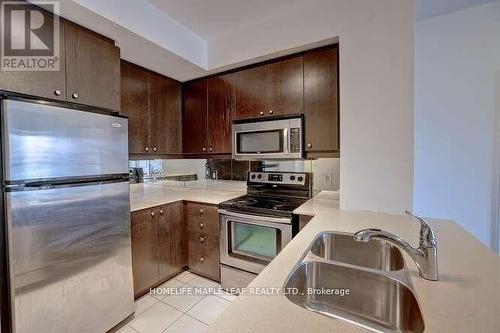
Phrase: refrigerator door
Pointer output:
(70, 261)
(42, 142)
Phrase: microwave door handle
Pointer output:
(285, 141)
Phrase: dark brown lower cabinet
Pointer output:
(203, 240)
(157, 245)
(178, 237)
(144, 249)
(204, 254)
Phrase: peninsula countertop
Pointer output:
(146, 195)
(465, 299)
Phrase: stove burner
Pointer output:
(249, 201)
(264, 204)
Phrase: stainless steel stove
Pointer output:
(255, 227)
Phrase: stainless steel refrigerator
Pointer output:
(66, 217)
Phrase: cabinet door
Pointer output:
(195, 117)
(321, 100)
(178, 236)
(92, 68)
(144, 249)
(250, 93)
(285, 87)
(135, 99)
(42, 84)
(221, 98)
(165, 121)
(165, 268)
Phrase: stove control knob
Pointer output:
(292, 178)
(259, 176)
(253, 176)
(300, 179)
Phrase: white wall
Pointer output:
(376, 87)
(457, 56)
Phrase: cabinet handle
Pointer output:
(202, 259)
(202, 239)
(204, 149)
(210, 149)
(152, 214)
(271, 112)
(154, 148)
(57, 92)
(309, 145)
(201, 225)
(201, 211)
(75, 96)
(161, 212)
(146, 148)
(261, 113)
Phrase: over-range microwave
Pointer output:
(268, 139)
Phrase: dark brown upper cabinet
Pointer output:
(47, 84)
(273, 89)
(321, 103)
(285, 87)
(250, 93)
(92, 68)
(194, 119)
(208, 107)
(165, 120)
(221, 99)
(135, 105)
(152, 103)
(89, 71)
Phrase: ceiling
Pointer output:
(212, 18)
(429, 8)
(185, 39)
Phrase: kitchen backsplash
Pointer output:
(326, 171)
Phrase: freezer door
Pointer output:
(70, 260)
(42, 142)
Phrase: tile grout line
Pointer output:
(201, 321)
(184, 313)
(133, 329)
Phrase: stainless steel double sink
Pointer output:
(365, 284)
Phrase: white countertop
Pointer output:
(323, 202)
(465, 299)
(146, 195)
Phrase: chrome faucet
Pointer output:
(425, 256)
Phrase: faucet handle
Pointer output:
(427, 235)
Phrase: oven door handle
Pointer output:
(282, 220)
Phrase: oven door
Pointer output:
(250, 242)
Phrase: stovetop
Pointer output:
(264, 205)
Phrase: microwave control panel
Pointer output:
(295, 140)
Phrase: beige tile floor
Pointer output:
(195, 303)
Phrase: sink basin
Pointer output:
(375, 301)
(375, 254)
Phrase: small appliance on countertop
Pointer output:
(255, 227)
(136, 175)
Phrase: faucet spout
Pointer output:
(425, 256)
